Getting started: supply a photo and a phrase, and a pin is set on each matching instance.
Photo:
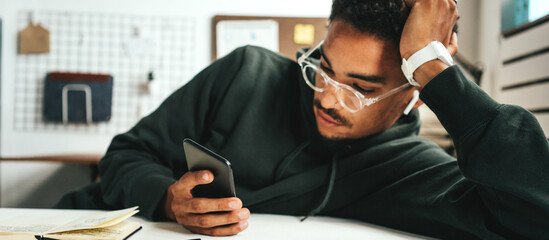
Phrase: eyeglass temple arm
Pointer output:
(387, 94)
(302, 58)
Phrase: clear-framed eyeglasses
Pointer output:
(349, 98)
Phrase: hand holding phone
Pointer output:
(205, 215)
(201, 158)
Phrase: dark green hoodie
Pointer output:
(254, 108)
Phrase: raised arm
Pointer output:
(500, 148)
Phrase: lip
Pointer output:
(325, 120)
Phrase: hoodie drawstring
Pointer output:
(331, 181)
(328, 192)
(289, 159)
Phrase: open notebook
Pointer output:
(104, 226)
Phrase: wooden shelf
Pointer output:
(74, 158)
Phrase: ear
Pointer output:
(418, 104)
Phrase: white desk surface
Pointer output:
(261, 226)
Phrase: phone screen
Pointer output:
(200, 158)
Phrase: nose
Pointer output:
(328, 98)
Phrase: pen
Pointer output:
(41, 237)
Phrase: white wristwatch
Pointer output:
(435, 50)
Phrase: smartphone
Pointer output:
(201, 158)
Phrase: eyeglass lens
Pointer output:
(344, 95)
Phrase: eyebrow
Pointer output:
(368, 78)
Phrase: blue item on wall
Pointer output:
(77, 97)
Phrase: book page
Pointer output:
(116, 232)
(52, 224)
(33, 224)
(116, 220)
(97, 220)
(17, 236)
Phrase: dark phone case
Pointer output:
(201, 158)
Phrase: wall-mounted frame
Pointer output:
(286, 28)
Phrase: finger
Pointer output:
(222, 230)
(191, 179)
(453, 12)
(455, 17)
(210, 220)
(205, 205)
(453, 46)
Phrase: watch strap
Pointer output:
(434, 50)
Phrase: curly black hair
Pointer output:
(382, 18)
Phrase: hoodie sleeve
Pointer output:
(142, 163)
(501, 148)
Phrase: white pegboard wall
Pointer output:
(127, 47)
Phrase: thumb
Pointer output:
(190, 180)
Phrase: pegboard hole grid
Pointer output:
(127, 47)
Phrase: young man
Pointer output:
(328, 136)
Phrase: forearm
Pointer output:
(141, 164)
(482, 129)
(133, 179)
(501, 148)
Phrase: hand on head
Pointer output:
(216, 217)
(429, 20)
